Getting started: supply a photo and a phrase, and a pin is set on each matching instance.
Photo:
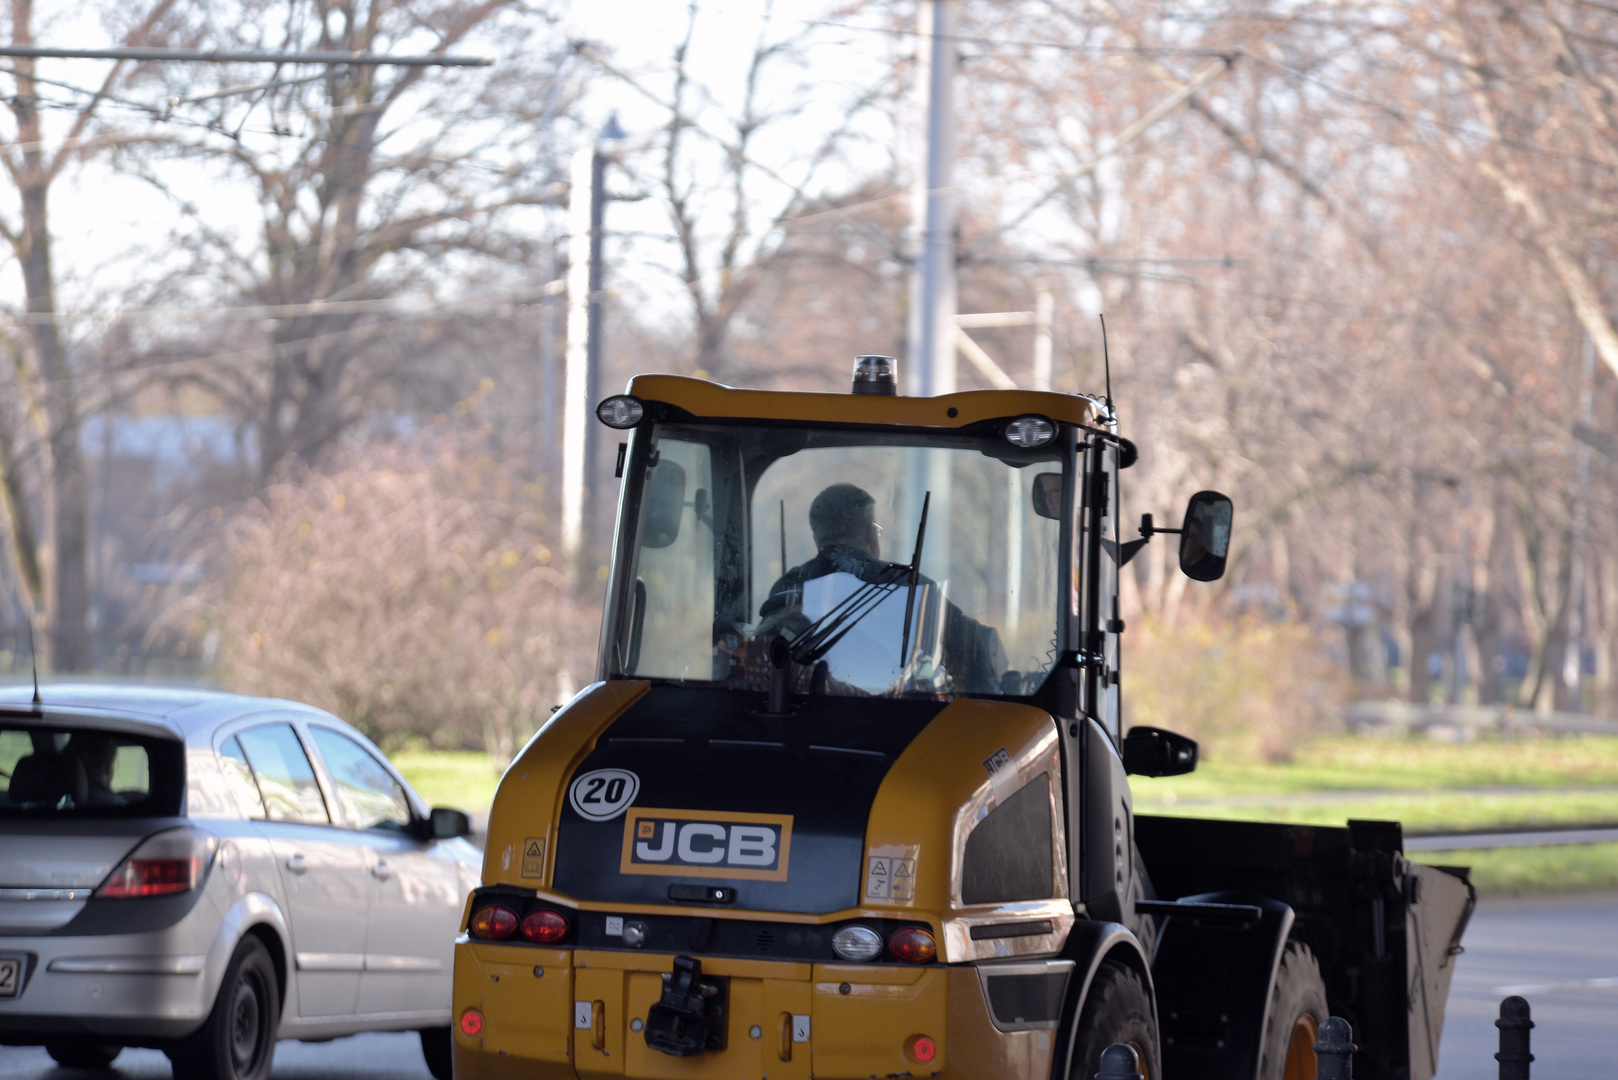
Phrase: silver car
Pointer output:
(206, 873)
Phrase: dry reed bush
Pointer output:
(411, 590)
(1245, 689)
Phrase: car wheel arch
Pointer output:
(259, 915)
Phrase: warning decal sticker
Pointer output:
(533, 857)
(890, 874)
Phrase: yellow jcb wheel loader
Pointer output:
(848, 798)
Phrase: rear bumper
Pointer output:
(559, 1014)
(131, 988)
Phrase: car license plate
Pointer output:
(10, 976)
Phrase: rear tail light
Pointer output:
(544, 927)
(922, 1048)
(857, 943)
(494, 923)
(913, 946)
(471, 1022)
(170, 862)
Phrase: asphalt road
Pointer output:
(1561, 954)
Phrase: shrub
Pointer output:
(412, 590)
(1243, 689)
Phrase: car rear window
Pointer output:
(52, 771)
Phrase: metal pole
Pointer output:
(220, 57)
(576, 379)
(931, 359)
(1573, 655)
(1119, 1062)
(1334, 1053)
(1514, 1025)
(1044, 317)
(592, 360)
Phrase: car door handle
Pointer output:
(297, 864)
(382, 871)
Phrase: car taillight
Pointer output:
(913, 946)
(170, 862)
(471, 1022)
(544, 927)
(494, 923)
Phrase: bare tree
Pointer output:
(733, 209)
(40, 428)
(385, 194)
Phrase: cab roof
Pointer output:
(708, 400)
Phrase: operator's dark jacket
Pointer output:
(969, 648)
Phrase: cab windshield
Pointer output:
(736, 536)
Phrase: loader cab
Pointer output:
(931, 562)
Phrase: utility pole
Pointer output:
(586, 215)
(931, 332)
(1573, 656)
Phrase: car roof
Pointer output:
(190, 712)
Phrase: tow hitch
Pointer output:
(690, 1016)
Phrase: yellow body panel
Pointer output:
(940, 787)
(706, 399)
(528, 1017)
(529, 800)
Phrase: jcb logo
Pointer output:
(706, 843)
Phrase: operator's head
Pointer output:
(844, 514)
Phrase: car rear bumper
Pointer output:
(139, 987)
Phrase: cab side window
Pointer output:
(284, 775)
(239, 777)
(371, 797)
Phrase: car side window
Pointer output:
(284, 775)
(239, 776)
(372, 798)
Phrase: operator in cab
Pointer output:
(848, 540)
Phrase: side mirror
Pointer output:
(446, 824)
(1205, 536)
(665, 503)
(1150, 751)
(1048, 495)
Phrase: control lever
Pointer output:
(690, 1016)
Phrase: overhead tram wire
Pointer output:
(220, 56)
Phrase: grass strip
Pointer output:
(1520, 871)
(463, 779)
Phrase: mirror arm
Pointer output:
(1149, 530)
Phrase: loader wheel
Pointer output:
(1297, 1009)
(1117, 1010)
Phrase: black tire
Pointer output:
(1117, 1010)
(237, 1042)
(435, 1048)
(83, 1055)
(1297, 1009)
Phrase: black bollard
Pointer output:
(1514, 1024)
(1119, 1062)
(1334, 1053)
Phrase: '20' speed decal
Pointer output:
(706, 843)
(603, 794)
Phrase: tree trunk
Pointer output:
(65, 565)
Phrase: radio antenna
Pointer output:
(33, 661)
(1106, 366)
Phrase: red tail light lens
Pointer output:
(923, 1049)
(544, 927)
(170, 862)
(913, 946)
(153, 877)
(494, 923)
(471, 1022)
